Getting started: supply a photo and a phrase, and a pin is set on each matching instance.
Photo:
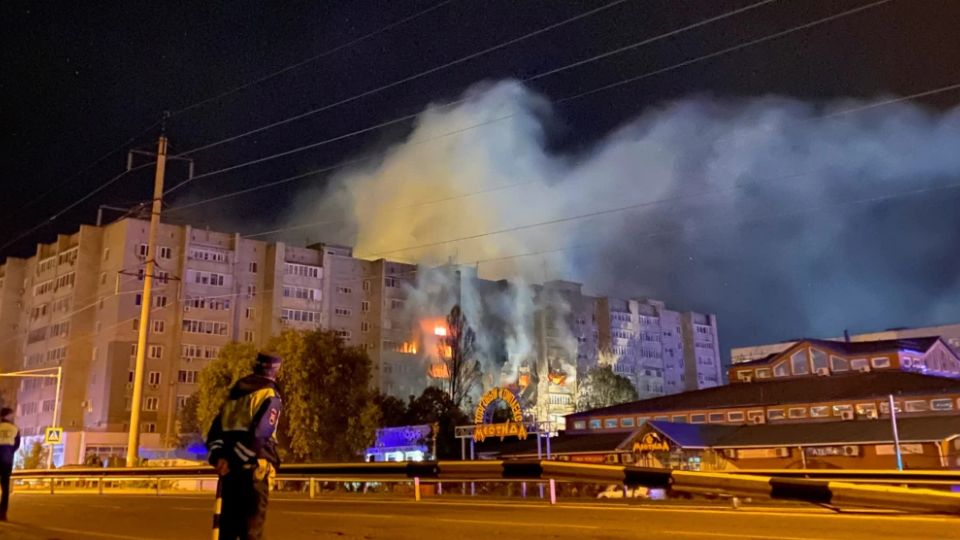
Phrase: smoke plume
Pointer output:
(785, 218)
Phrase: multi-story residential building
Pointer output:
(76, 304)
(949, 332)
(661, 351)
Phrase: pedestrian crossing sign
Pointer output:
(54, 435)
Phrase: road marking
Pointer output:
(85, 533)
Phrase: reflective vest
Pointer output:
(238, 414)
(8, 434)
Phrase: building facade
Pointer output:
(949, 332)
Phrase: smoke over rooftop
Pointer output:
(781, 216)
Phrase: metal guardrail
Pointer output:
(774, 484)
(865, 476)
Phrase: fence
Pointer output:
(764, 484)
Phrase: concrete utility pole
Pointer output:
(133, 440)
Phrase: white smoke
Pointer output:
(738, 204)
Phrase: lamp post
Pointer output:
(44, 373)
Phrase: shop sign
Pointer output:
(651, 442)
(887, 449)
(512, 428)
(827, 451)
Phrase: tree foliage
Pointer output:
(458, 352)
(435, 405)
(36, 457)
(393, 411)
(602, 387)
(329, 412)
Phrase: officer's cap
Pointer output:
(267, 362)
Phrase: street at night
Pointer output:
(89, 517)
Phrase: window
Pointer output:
(881, 362)
(609, 423)
(164, 252)
(344, 290)
(103, 278)
(204, 327)
(248, 336)
(43, 288)
(781, 370)
(163, 277)
(342, 312)
(858, 363)
(819, 411)
(303, 293)
(299, 315)
(366, 285)
(149, 427)
(151, 403)
(661, 418)
(595, 423)
(819, 359)
(212, 303)
(344, 334)
(941, 404)
(158, 326)
(839, 364)
(364, 326)
(199, 351)
(159, 301)
(680, 418)
(798, 363)
(137, 299)
(716, 418)
(156, 352)
(885, 407)
(763, 373)
(364, 306)
(207, 255)
(68, 257)
(754, 415)
(775, 414)
(797, 412)
(580, 424)
(838, 410)
(251, 291)
(106, 254)
(866, 410)
(252, 267)
(153, 377)
(187, 376)
(302, 270)
(47, 406)
(698, 418)
(142, 250)
(207, 278)
(396, 304)
(66, 280)
(393, 283)
(626, 422)
(916, 406)
(182, 402)
(745, 375)
(248, 313)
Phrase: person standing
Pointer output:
(9, 444)
(243, 449)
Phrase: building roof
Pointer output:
(854, 348)
(915, 429)
(846, 386)
(562, 444)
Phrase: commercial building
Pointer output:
(949, 332)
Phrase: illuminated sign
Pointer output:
(484, 413)
(651, 442)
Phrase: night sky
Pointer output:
(79, 79)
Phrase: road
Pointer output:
(144, 517)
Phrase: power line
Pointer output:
(408, 117)
(312, 59)
(505, 117)
(407, 79)
(733, 49)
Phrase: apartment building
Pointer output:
(661, 351)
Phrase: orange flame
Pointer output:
(524, 380)
(557, 377)
(439, 371)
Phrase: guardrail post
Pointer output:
(523, 490)
(52, 480)
(416, 488)
(553, 491)
(439, 488)
(158, 486)
(100, 486)
(313, 488)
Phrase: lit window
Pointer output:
(775, 414)
(916, 406)
(838, 410)
(698, 418)
(610, 423)
(626, 422)
(819, 359)
(820, 411)
(580, 424)
(866, 410)
(735, 416)
(941, 404)
(595, 423)
(680, 418)
(797, 412)
(763, 373)
(781, 370)
(798, 363)
(839, 364)
(716, 418)
(858, 363)
(882, 362)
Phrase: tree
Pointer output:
(188, 423)
(36, 458)
(328, 408)
(393, 411)
(457, 350)
(436, 406)
(235, 361)
(602, 387)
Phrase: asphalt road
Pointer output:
(144, 517)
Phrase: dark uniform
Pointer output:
(243, 438)
(9, 444)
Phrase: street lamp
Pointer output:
(44, 373)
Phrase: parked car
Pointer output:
(617, 492)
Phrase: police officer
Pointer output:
(9, 444)
(243, 449)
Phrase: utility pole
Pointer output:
(146, 300)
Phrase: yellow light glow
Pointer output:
(440, 331)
